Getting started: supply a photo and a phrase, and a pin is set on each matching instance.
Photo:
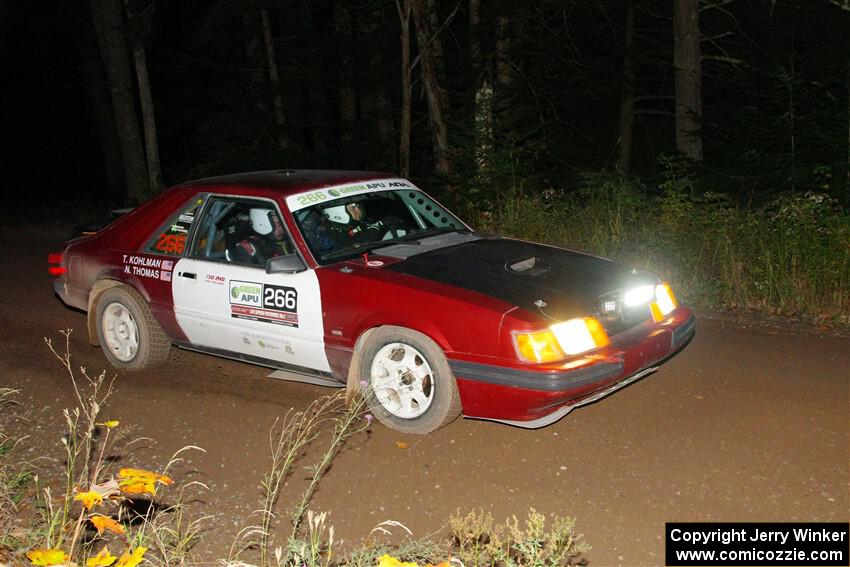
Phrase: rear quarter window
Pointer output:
(170, 239)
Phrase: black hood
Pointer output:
(560, 283)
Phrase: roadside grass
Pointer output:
(789, 256)
(107, 515)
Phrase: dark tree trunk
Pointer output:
(504, 68)
(476, 57)
(376, 109)
(687, 60)
(281, 135)
(148, 119)
(108, 16)
(433, 92)
(627, 97)
(139, 25)
(101, 103)
(406, 94)
(347, 93)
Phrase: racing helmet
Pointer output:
(338, 214)
(261, 221)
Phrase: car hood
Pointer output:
(554, 282)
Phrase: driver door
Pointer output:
(228, 305)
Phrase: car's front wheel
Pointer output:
(411, 387)
(127, 332)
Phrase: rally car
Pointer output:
(363, 279)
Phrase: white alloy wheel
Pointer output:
(120, 332)
(127, 332)
(402, 380)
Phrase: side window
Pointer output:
(171, 237)
(241, 231)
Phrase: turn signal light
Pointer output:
(664, 304)
(541, 346)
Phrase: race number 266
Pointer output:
(280, 298)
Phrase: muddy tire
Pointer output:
(411, 387)
(127, 332)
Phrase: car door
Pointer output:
(226, 303)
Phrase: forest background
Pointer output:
(706, 140)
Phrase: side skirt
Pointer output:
(283, 371)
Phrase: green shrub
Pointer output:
(790, 255)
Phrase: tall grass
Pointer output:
(142, 517)
(791, 255)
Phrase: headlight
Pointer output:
(561, 339)
(578, 335)
(639, 295)
(665, 302)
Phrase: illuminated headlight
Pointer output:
(561, 340)
(639, 295)
(579, 335)
(665, 299)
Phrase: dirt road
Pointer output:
(744, 425)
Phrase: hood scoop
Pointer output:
(529, 266)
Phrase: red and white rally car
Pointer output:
(362, 278)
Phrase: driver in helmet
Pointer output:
(266, 241)
(348, 224)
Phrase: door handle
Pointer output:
(188, 275)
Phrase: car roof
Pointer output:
(287, 181)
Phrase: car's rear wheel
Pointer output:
(411, 387)
(127, 332)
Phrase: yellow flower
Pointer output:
(390, 561)
(47, 556)
(102, 559)
(90, 499)
(131, 559)
(112, 423)
(141, 481)
(102, 523)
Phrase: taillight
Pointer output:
(54, 264)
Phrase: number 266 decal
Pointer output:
(280, 298)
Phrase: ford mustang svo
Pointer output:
(362, 279)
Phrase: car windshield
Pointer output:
(345, 227)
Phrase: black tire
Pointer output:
(439, 387)
(153, 345)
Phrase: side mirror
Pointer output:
(289, 264)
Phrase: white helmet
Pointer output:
(338, 214)
(260, 221)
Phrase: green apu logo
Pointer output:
(245, 289)
(334, 193)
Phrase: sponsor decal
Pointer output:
(264, 302)
(267, 342)
(215, 279)
(147, 267)
(374, 263)
(246, 293)
(189, 218)
(264, 315)
(302, 200)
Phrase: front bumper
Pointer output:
(536, 395)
